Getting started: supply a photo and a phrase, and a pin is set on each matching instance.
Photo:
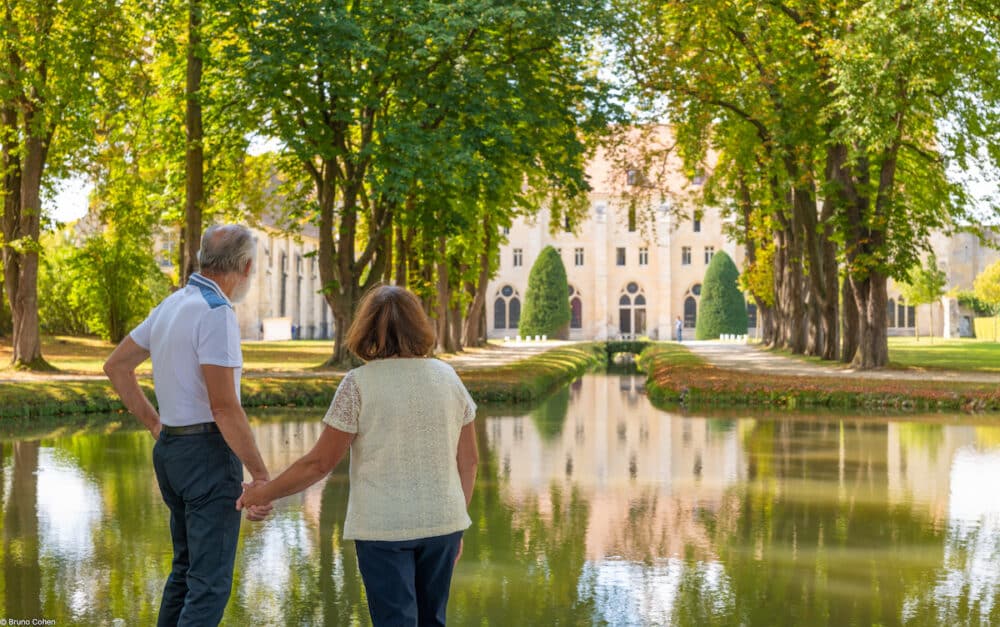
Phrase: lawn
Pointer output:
(957, 354)
(85, 355)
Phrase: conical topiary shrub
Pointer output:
(722, 308)
(546, 302)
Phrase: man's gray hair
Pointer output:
(226, 248)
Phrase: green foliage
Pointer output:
(105, 286)
(546, 301)
(986, 287)
(925, 283)
(551, 414)
(723, 308)
(59, 287)
(969, 300)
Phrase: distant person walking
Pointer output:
(203, 439)
(679, 329)
(408, 421)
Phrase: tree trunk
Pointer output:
(831, 305)
(441, 299)
(402, 249)
(765, 320)
(478, 305)
(873, 345)
(455, 324)
(194, 191)
(851, 326)
(778, 277)
(22, 224)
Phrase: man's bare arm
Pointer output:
(232, 420)
(120, 368)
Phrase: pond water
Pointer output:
(596, 508)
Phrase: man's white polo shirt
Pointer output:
(192, 327)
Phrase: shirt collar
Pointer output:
(199, 280)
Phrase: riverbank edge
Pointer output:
(678, 377)
(518, 382)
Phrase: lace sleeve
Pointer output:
(346, 406)
(470, 406)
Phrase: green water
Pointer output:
(595, 508)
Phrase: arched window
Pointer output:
(891, 312)
(751, 316)
(690, 312)
(632, 310)
(506, 308)
(499, 313)
(575, 308)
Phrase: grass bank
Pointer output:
(676, 376)
(937, 353)
(27, 402)
(86, 355)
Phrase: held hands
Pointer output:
(256, 507)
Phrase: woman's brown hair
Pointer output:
(390, 322)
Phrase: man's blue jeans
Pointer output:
(200, 479)
(407, 582)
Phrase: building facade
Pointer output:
(284, 300)
(633, 266)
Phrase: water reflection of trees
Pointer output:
(820, 546)
(22, 580)
(523, 563)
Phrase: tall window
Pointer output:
(578, 256)
(575, 308)
(644, 256)
(284, 284)
(685, 255)
(901, 315)
(691, 306)
(632, 310)
(696, 222)
(506, 308)
(709, 253)
(690, 312)
(518, 257)
(620, 256)
(751, 316)
(506, 230)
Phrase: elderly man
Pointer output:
(203, 439)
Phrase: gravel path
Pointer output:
(750, 358)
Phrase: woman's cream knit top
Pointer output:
(407, 414)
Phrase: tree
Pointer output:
(803, 101)
(924, 286)
(55, 57)
(722, 308)
(987, 289)
(546, 301)
(414, 123)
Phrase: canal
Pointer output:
(595, 508)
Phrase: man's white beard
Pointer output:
(241, 290)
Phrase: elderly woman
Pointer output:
(408, 422)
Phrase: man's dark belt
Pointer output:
(201, 427)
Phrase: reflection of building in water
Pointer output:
(919, 464)
(646, 474)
